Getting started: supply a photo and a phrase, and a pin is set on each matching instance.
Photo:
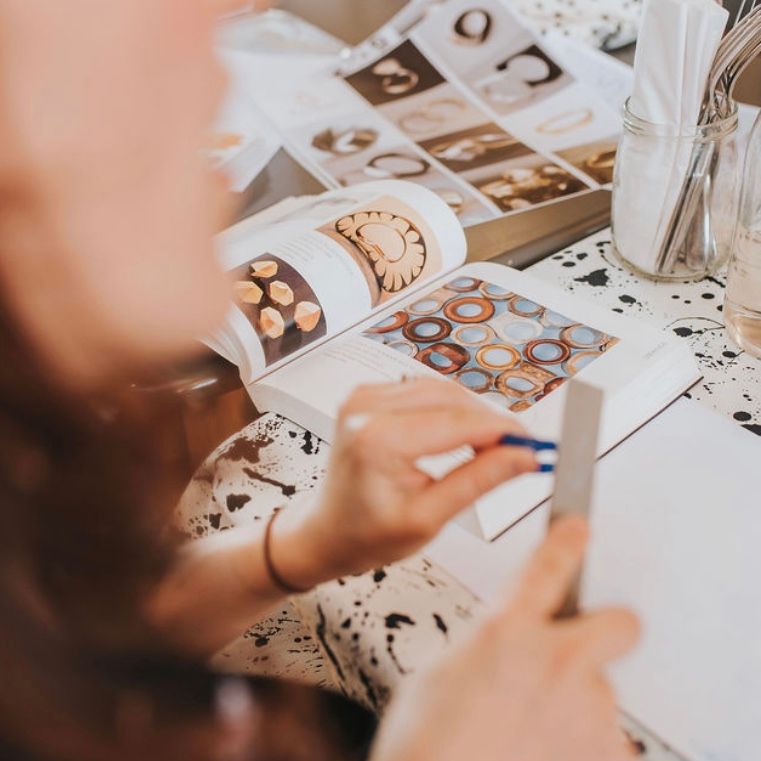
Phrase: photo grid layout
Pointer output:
(492, 341)
(468, 105)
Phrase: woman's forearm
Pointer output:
(221, 585)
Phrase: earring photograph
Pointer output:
(525, 182)
(403, 72)
(596, 160)
(521, 79)
(482, 146)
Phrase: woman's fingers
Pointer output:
(447, 497)
(417, 393)
(552, 571)
(603, 636)
(411, 434)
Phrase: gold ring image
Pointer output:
(404, 347)
(463, 284)
(568, 121)
(344, 143)
(495, 292)
(395, 78)
(473, 335)
(525, 307)
(431, 116)
(547, 351)
(580, 336)
(478, 381)
(498, 357)
(393, 245)
(397, 165)
(427, 305)
(472, 27)
(603, 160)
(523, 382)
(552, 319)
(427, 329)
(552, 385)
(579, 361)
(444, 358)
(517, 330)
(469, 309)
(524, 404)
(391, 323)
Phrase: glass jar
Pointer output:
(675, 197)
(742, 305)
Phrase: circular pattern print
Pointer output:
(427, 329)
(445, 358)
(469, 309)
(473, 335)
(498, 357)
(478, 381)
(547, 351)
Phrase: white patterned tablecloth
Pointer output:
(364, 634)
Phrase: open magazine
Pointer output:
(457, 97)
(370, 285)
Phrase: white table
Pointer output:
(365, 634)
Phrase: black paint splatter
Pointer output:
(237, 501)
(598, 278)
(215, 520)
(683, 332)
(627, 299)
(395, 621)
(742, 417)
(753, 429)
(311, 443)
(320, 632)
(440, 625)
(245, 449)
(379, 575)
(288, 489)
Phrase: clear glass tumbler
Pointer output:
(675, 197)
(742, 306)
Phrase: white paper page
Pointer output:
(676, 528)
(677, 532)
(311, 390)
(312, 276)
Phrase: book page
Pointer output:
(507, 337)
(458, 98)
(676, 531)
(330, 264)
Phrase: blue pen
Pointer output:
(523, 441)
(538, 446)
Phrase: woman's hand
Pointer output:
(377, 505)
(525, 687)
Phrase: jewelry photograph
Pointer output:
(432, 116)
(401, 73)
(472, 27)
(469, 149)
(345, 142)
(397, 166)
(525, 183)
(280, 305)
(522, 78)
(392, 244)
(492, 341)
(596, 160)
(569, 121)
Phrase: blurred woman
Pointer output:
(107, 212)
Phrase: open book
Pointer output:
(370, 285)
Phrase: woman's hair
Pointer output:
(86, 492)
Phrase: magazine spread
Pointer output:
(463, 100)
(507, 337)
(324, 265)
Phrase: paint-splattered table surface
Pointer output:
(365, 634)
